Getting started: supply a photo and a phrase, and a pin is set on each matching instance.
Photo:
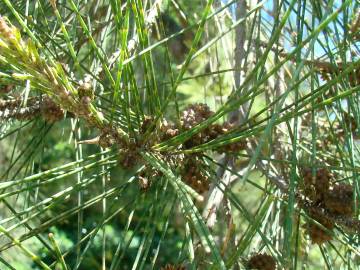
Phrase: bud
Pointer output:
(5, 30)
(85, 90)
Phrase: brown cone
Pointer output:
(339, 200)
(50, 111)
(194, 176)
(262, 262)
(315, 187)
(317, 234)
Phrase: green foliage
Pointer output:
(193, 134)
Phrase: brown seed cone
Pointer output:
(106, 140)
(128, 158)
(193, 174)
(85, 90)
(194, 115)
(339, 200)
(172, 267)
(317, 234)
(261, 262)
(315, 187)
(198, 113)
(50, 111)
(146, 178)
(15, 104)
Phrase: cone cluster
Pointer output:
(195, 114)
(336, 200)
(193, 168)
(194, 174)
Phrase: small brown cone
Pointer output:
(317, 234)
(339, 200)
(193, 174)
(315, 187)
(50, 111)
(194, 115)
(261, 262)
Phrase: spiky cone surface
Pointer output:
(339, 200)
(13, 104)
(315, 187)
(261, 261)
(197, 113)
(353, 77)
(172, 267)
(21, 114)
(194, 115)
(317, 234)
(85, 90)
(191, 117)
(232, 147)
(147, 176)
(193, 174)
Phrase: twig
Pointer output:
(215, 194)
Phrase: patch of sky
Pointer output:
(333, 35)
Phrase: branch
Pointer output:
(49, 78)
(215, 194)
